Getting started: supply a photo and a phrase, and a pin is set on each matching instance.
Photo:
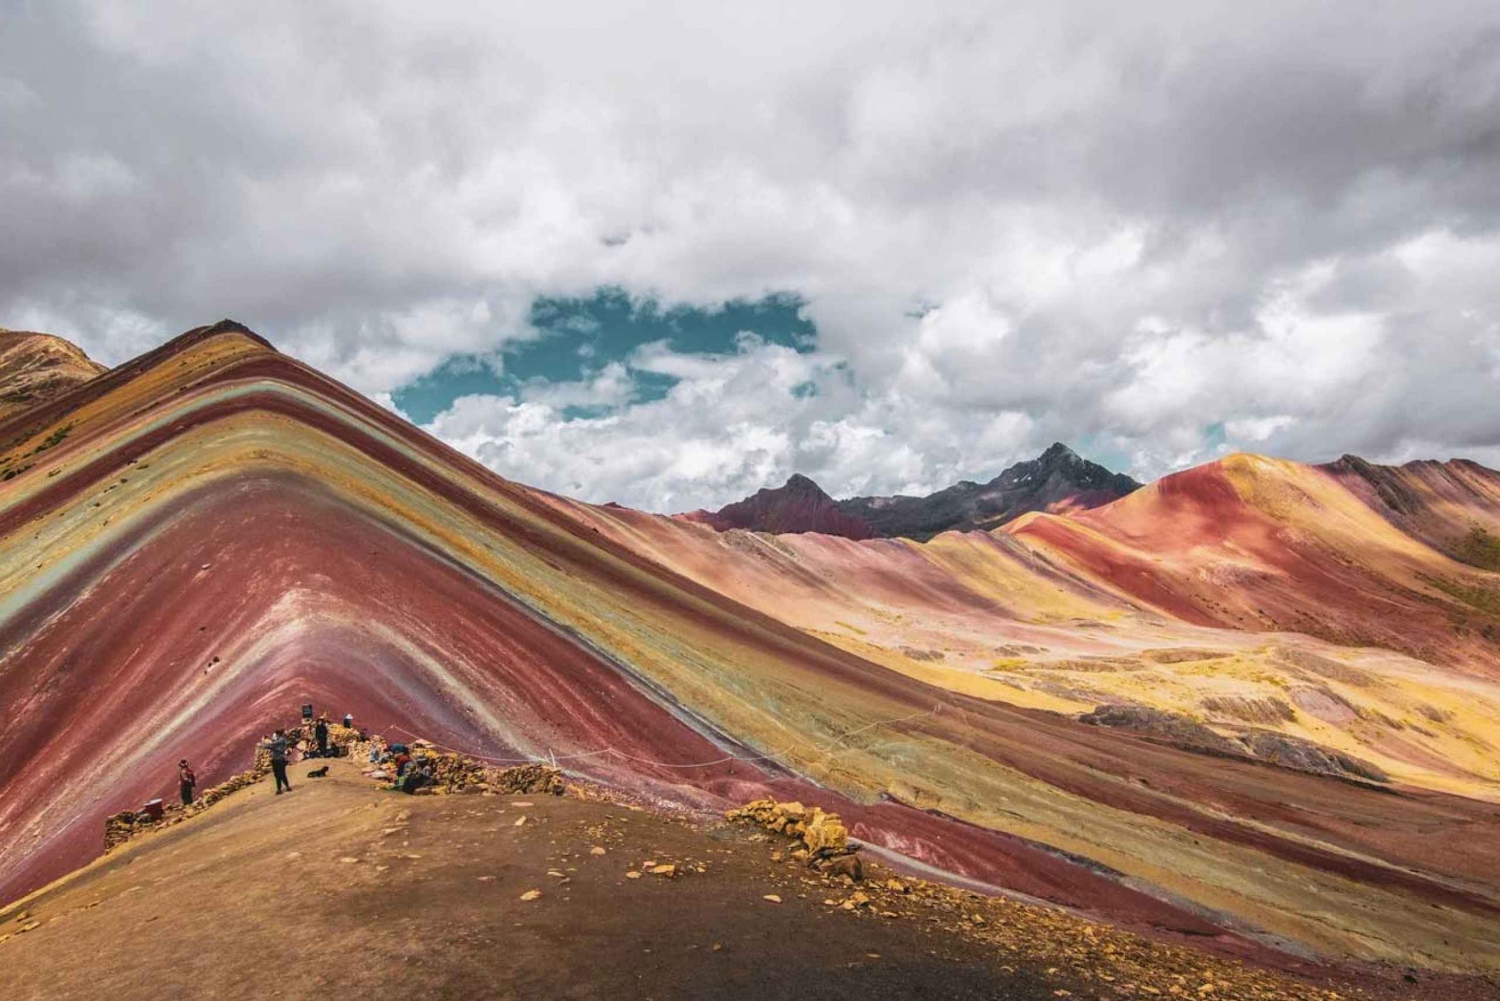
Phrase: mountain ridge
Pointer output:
(1058, 480)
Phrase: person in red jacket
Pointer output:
(186, 780)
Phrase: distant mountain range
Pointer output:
(1059, 480)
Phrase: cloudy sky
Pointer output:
(666, 254)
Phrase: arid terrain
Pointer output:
(343, 886)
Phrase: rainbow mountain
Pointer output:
(1255, 704)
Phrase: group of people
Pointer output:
(279, 748)
(410, 773)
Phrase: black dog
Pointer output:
(318, 773)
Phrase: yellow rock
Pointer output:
(531, 894)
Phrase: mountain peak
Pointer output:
(1057, 451)
(799, 484)
(800, 505)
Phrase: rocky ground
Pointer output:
(342, 886)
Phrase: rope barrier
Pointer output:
(611, 749)
(554, 758)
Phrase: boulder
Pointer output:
(844, 865)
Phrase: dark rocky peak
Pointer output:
(1057, 452)
(798, 485)
(799, 505)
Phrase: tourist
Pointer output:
(320, 733)
(277, 745)
(185, 781)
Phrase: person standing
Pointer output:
(277, 745)
(186, 780)
(320, 733)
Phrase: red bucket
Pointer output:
(153, 809)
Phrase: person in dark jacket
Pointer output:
(277, 745)
(186, 780)
(320, 734)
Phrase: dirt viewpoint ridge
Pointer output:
(456, 896)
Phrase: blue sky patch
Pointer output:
(577, 337)
(1103, 450)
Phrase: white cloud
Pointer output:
(1011, 223)
(731, 424)
(1257, 429)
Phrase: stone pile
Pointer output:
(823, 835)
(125, 825)
(454, 773)
(234, 783)
(451, 773)
(533, 780)
(339, 736)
